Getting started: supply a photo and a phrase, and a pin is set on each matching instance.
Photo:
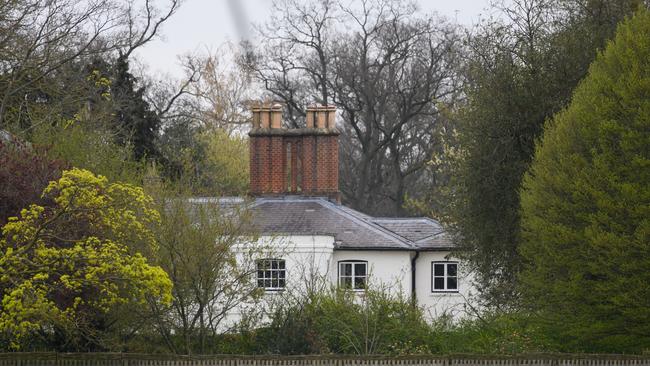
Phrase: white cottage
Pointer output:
(324, 239)
(294, 179)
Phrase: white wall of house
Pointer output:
(308, 259)
(437, 303)
(311, 261)
(387, 269)
(307, 262)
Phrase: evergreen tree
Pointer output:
(136, 122)
(586, 204)
(520, 74)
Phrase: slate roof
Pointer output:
(424, 232)
(351, 229)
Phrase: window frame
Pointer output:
(353, 276)
(445, 276)
(270, 270)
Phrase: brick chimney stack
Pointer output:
(298, 161)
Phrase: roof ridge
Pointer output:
(421, 218)
(290, 199)
(385, 232)
(429, 237)
(401, 236)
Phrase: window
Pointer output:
(271, 274)
(353, 274)
(444, 276)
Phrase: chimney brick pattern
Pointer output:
(294, 161)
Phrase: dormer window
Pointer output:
(271, 274)
(353, 274)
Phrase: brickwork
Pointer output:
(260, 164)
(277, 167)
(295, 167)
(328, 159)
(253, 157)
(294, 161)
(308, 163)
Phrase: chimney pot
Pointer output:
(301, 161)
(265, 117)
(321, 121)
(321, 116)
(256, 116)
(311, 115)
(331, 116)
(276, 115)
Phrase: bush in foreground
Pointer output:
(72, 273)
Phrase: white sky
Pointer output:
(206, 24)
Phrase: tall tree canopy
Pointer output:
(43, 43)
(135, 120)
(586, 204)
(520, 72)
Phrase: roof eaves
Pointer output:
(378, 248)
(436, 249)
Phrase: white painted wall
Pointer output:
(311, 261)
(389, 270)
(307, 259)
(436, 304)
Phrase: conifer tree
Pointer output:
(586, 204)
(519, 75)
(136, 121)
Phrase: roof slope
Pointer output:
(351, 229)
(423, 232)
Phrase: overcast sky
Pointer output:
(205, 24)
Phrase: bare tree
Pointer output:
(210, 251)
(39, 39)
(171, 97)
(385, 67)
(143, 23)
(223, 91)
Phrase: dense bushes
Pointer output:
(26, 171)
(343, 322)
(75, 273)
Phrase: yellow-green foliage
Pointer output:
(219, 165)
(72, 262)
(586, 205)
(89, 145)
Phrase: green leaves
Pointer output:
(67, 267)
(519, 74)
(586, 204)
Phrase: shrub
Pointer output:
(24, 172)
(346, 322)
